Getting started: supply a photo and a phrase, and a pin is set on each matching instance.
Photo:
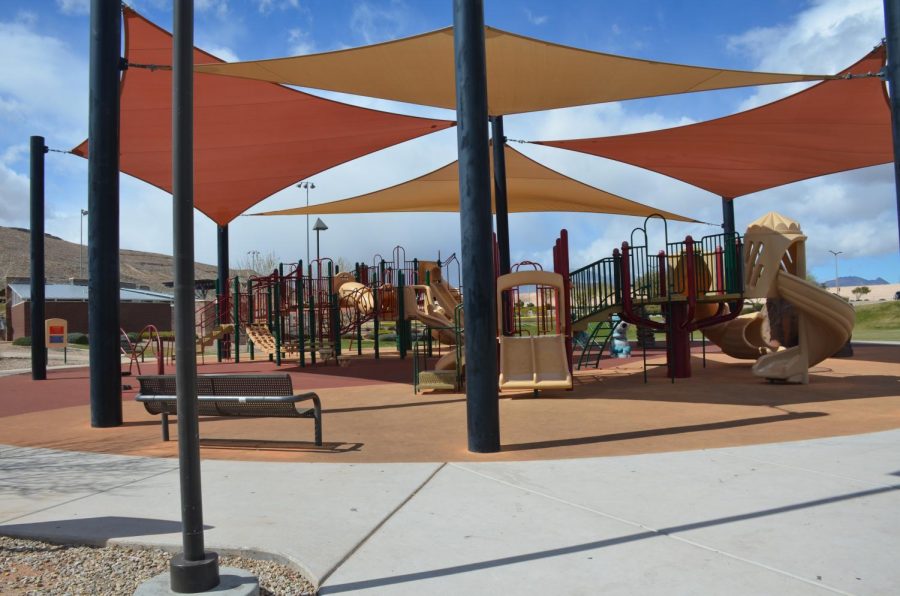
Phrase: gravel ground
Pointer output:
(15, 357)
(32, 568)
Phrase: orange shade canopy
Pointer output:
(834, 126)
(523, 74)
(530, 187)
(251, 138)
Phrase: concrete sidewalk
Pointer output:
(810, 517)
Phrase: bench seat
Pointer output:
(251, 396)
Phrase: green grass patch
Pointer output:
(879, 321)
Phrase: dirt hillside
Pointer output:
(63, 262)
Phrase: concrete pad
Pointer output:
(309, 515)
(32, 480)
(873, 457)
(466, 534)
(807, 524)
(232, 582)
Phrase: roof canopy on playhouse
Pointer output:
(530, 187)
(834, 126)
(251, 138)
(524, 74)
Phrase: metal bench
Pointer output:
(253, 396)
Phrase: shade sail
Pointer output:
(831, 127)
(524, 74)
(251, 138)
(530, 187)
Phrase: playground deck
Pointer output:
(371, 415)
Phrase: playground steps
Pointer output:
(595, 344)
(264, 341)
(212, 335)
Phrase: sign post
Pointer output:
(56, 332)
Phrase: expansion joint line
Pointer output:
(378, 527)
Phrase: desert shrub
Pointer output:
(387, 337)
(22, 341)
(78, 337)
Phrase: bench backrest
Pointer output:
(238, 385)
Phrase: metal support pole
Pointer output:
(732, 283)
(892, 72)
(194, 570)
(38, 302)
(501, 215)
(103, 223)
(236, 316)
(222, 249)
(482, 404)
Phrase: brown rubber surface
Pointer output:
(372, 415)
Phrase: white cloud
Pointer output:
(267, 6)
(43, 84)
(14, 201)
(376, 23)
(826, 38)
(535, 19)
(74, 7)
(300, 41)
(226, 54)
(219, 7)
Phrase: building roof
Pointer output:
(78, 293)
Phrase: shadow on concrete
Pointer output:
(577, 548)
(411, 404)
(659, 432)
(92, 530)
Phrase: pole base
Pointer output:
(190, 577)
(234, 582)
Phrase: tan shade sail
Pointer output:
(251, 138)
(530, 187)
(831, 127)
(524, 74)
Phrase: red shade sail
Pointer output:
(834, 126)
(251, 138)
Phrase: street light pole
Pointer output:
(307, 184)
(81, 243)
(319, 227)
(837, 282)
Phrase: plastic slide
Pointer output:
(826, 322)
(357, 295)
(739, 338)
(444, 296)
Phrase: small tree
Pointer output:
(261, 263)
(861, 291)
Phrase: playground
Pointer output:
(436, 392)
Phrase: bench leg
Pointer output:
(317, 413)
(165, 426)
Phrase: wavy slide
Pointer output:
(826, 322)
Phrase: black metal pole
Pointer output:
(103, 223)
(892, 70)
(728, 215)
(500, 203)
(222, 285)
(194, 570)
(38, 312)
(475, 225)
(732, 282)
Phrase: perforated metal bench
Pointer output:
(251, 396)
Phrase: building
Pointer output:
(138, 307)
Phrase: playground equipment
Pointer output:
(689, 283)
(137, 350)
(438, 306)
(775, 267)
(540, 360)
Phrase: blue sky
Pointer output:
(43, 90)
